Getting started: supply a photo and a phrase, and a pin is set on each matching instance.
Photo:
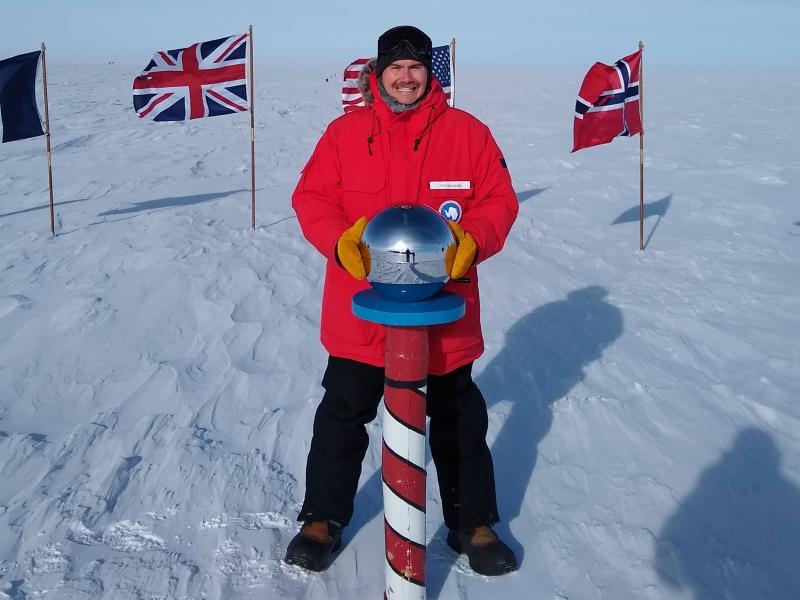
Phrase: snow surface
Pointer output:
(160, 362)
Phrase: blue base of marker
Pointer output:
(444, 307)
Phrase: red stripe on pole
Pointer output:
(406, 406)
(407, 353)
(406, 558)
(406, 480)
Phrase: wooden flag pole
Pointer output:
(453, 72)
(641, 147)
(252, 139)
(47, 140)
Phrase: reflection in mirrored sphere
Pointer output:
(407, 246)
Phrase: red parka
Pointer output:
(372, 158)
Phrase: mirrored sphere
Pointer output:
(407, 246)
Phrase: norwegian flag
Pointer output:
(351, 95)
(608, 103)
(206, 79)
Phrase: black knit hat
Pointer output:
(403, 42)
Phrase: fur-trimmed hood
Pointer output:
(363, 81)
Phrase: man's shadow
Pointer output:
(544, 357)
(737, 535)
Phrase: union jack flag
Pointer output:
(351, 95)
(608, 103)
(206, 79)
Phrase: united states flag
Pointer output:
(351, 95)
(608, 103)
(206, 79)
(441, 68)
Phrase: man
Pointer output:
(407, 146)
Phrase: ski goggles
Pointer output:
(405, 40)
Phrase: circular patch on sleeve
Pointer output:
(450, 210)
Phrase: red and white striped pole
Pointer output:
(404, 461)
(407, 297)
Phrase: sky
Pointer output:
(160, 362)
(681, 34)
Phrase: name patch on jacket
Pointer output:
(451, 185)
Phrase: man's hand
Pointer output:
(352, 252)
(461, 253)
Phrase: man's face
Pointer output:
(405, 80)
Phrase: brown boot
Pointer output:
(313, 548)
(487, 554)
(483, 535)
(317, 531)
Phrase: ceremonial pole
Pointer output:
(403, 455)
(47, 141)
(641, 147)
(407, 297)
(453, 72)
(252, 138)
(404, 430)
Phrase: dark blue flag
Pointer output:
(18, 97)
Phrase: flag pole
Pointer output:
(47, 140)
(641, 147)
(453, 72)
(252, 139)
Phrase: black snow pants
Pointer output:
(457, 438)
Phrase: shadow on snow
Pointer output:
(528, 194)
(737, 534)
(169, 202)
(544, 357)
(42, 207)
(658, 208)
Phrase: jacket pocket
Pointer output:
(363, 192)
(363, 180)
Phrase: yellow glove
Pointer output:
(461, 253)
(352, 252)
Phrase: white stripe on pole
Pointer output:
(402, 517)
(403, 441)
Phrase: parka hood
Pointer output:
(363, 81)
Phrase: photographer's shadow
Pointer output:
(737, 535)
